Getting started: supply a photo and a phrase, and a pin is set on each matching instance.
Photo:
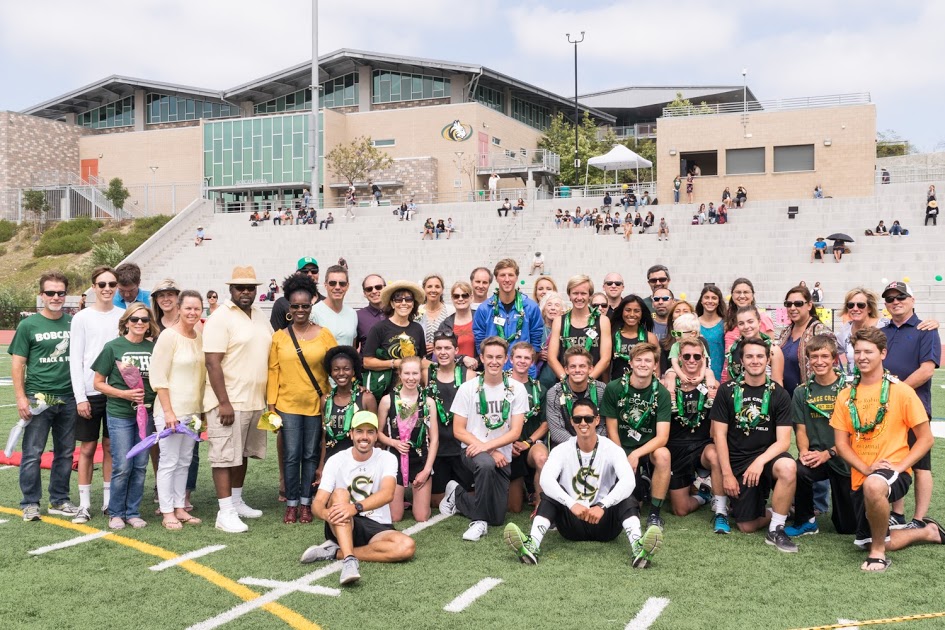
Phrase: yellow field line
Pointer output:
(289, 616)
(876, 622)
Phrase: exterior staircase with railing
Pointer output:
(59, 184)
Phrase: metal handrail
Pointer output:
(615, 190)
(910, 174)
(781, 104)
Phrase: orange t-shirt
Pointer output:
(889, 440)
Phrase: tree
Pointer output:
(116, 193)
(890, 144)
(34, 202)
(468, 165)
(357, 160)
(679, 101)
(559, 138)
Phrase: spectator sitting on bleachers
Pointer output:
(741, 197)
(931, 212)
(645, 199)
(818, 192)
(411, 209)
(648, 222)
(402, 211)
(631, 198)
(578, 217)
(881, 229)
(440, 228)
(897, 230)
(519, 206)
(726, 196)
(327, 221)
(608, 201)
(450, 228)
(664, 229)
(714, 215)
(254, 216)
(559, 214)
(819, 250)
(566, 219)
(617, 223)
(638, 221)
(428, 228)
(839, 249)
(701, 216)
(265, 216)
(723, 215)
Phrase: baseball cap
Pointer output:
(362, 418)
(308, 260)
(899, 287)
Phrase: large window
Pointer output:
(118, 114)
(705, 163)
(253, 151)
(799, 157)
(494, 99)
(744, 161)
(392, 87)
(296, 101)
(163, 109)
(338, 92)
(532, 115)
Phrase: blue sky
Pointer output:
(802, 48)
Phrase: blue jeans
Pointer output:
(675, 196)
(127, 474)
(301, 436)
(61, 420)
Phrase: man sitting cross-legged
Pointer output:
(353, 499)
(751, 426)
(877, 412)
(587, 491)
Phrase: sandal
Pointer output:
(871, 561)
(116, 522)
(192, 520)
(171, 525)
(934, 523)
(137, 523)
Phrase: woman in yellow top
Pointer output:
(292, 394)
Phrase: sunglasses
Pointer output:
(794, 303)
(403, 299)
(691, 357)
(244, 288)
(139, 320)
(889, 300)
(613, 283)
(110, 285)
(599, 304)
(338, 283)
(211, 297)
(582, 419)
(304, 307)
(54, 293)
(853, 305)
(460, 296)
(664, 298)
(664, 279)
(373, 288)
(313, 272)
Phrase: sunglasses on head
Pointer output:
(662, 298)
(889, 300)
(853, 305)
(655, 280)
(110, 285)
(403, 299)
(794, 303)
(371, 288)
(460, 296)
(54, 293)
(613, 283)
(140, 320)
(582, 419)
(338, 283)
(691, 357)
(244, 288)
(304, 307)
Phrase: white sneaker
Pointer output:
(245, 511)
(448, 504)
(229, 522)
(477, 529)
(82, 516)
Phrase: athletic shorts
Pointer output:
(88, 430)
(925, 462)
(230, 444)
(450, 468)
(364, 530)
(751, 502)
(685, 458)
(898, 484)
(520, 467)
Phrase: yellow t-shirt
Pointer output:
(177, 365)
(290, 389)
(244, 342)
(890, 440)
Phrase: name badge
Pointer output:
(592, 334)
(634, 434)
(702, 388)
(498, 321)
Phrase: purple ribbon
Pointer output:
(152, 439)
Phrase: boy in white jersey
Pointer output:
(353, 499)
(587, 491)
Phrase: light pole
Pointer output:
(313, 127)
(745, 89)
(154, 170)
(577, 119)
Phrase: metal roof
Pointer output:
(633, 97)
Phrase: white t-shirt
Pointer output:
(90, 331)
(608, 480)
(466, 404)
(360, 479)
(343, 325)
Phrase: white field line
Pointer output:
(3, 520)
(651, 610)
(72, 542)
(850, 621)
(6, 467)
(197, 553)
(313, 589)
(467, 597)
(287, 588)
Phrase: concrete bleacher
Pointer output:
(759, 242)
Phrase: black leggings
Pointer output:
(933, 217)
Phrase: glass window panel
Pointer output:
(172, 115)
(741, 161)
(217, 172)
(267, 132)
(191, 109)
(794, 158)
(277, 125)
(417, 89)
(395, 85)
(384, 96)
(247, 159)
(267, 159)
(257, 170)
(257, 127)
(227, 136)
(297, 171)
(207, 163)
(276, 176)
(298, 147)
(207, 136)
(257, 146)
(287, 155)
(217, 149)
(427, 87)
(247, 130)
(227, 163)
(237, 172)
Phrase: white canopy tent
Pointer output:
(618, 158)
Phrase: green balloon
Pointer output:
(938, 278)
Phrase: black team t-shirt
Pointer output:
(744, 448)
(678, 433)
(388, 341)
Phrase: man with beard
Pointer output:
(662, 302)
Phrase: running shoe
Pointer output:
(448, 504)
(350, 570)
(477, 529)
(322, 552)
(522, 545)
(647, 546)
(781, 540)
(720, 524)
(82, 516)
(31, 512)
(808, 528)
(66, 508)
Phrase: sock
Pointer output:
(106, 492)
(237, 494)
(655, 506)
(776, 520)
(721, 504)
(85, 496)
(898, 516)
(631, 527)
(700, 500)
(226, 505)
(540, 525)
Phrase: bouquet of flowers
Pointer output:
(269, 421)
(133, 379)
(42, 404)
(189, 426)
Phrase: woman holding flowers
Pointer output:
(125, 360)
(177, 375)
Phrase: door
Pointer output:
(89, 168)
(483, 150)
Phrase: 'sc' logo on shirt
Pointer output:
(585, 483)
(360, 488)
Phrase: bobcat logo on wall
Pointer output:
(457, 131)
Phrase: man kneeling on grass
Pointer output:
(353, 499)
(587, 487)
(878, 411)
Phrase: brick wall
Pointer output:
(409, 104)
(30, 144)
(419, 176)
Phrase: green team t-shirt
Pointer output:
(44, 343)
(139, 355)
(638, 402)
(819, 432)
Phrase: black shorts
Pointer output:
(750, 503)
(898, 488)
(449, 468)
(685, 458)
(414, 466)
(520, 467)
(88, 430)
(572, 528)
(925, 462)
(364, 530)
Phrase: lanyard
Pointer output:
(618, 343)
(348, 411)
(883, 401)
(519, 310)
(567, 395)
(746, 424)
(566, 330)
(484, 404)
(433, 390)
(835, 387)
(581, 465)
(690, 423)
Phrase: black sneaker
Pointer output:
(654, 519)
(897, 521)
(914, 524)
(781, 540)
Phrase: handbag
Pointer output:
(308, 370)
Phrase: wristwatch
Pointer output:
(832, 452)
(358, 507)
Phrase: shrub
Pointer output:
(7, 230)
(109, 254)
(141, 230)
(12, 303)
(68, 237)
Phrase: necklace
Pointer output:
(348, 409)
(735, 369)
(567, 395)
(624, 409)
(834, 388)
(883, 403)
(588, 338)
(691, 423)
(301, 334)
(742, 420)
(519, 310)
(433, 390)
(618, 343)
(484, 404)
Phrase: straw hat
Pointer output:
(401, 285)
(166, 284)
(933, 204)
(243, 275)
